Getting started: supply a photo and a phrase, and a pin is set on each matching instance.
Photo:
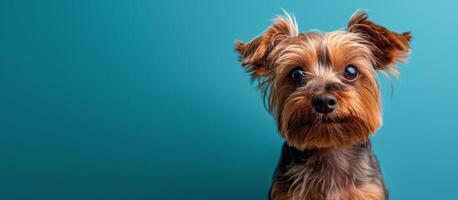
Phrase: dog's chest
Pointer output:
(328, 176)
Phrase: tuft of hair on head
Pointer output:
(291, 22)
(253, 54)
(388, 47)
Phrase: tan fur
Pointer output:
(364, 192)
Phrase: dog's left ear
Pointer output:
(253, 54)
(390, 47)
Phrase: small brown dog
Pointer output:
(322, 90)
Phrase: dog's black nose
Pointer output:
(324, 103)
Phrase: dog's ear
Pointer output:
(388, 47)
(253, 54)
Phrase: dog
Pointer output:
(322, 90)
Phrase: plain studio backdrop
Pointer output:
(146, 99)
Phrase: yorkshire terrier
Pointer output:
(323, 92)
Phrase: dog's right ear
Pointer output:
(253, 54)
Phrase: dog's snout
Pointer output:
(324, 103)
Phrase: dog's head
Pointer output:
(322, 87)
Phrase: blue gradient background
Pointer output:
(146, 99)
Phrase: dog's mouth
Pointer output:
(333, 120)
(313, 119)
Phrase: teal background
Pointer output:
(146, 99)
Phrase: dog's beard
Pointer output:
(304, 128)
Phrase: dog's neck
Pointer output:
(330, 155)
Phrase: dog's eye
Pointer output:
(350, 73)
(297, 76)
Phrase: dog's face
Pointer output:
(322, 87)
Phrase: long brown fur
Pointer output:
(336, 158)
